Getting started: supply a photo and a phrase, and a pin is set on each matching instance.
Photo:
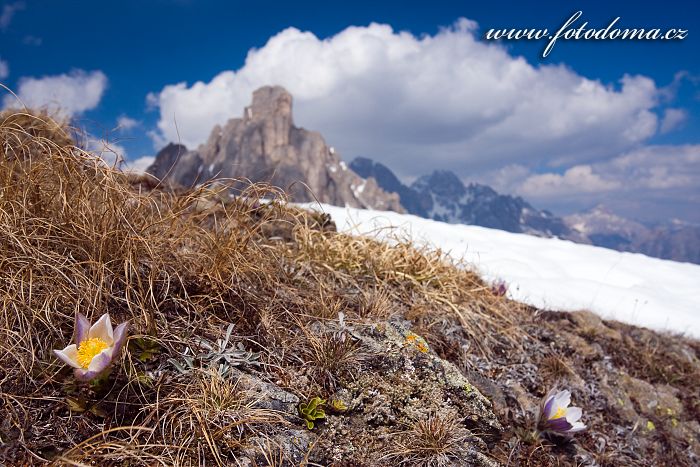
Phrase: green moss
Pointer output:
(338, 406)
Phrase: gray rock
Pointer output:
(268, 395)
(404, 383)
(288, 448)
(265, 146)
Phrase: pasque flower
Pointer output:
(499, 288)
(557, 417)
(95, 346)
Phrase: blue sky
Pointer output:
(148, 47)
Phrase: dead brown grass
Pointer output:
(184, 266)
(438, 441)
(78, 236)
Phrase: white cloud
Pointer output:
(139, 165)
(125, 123)
(416, 103)
(32, 40)
(8, 12)
(65, 95)
(657, 168)
(112, 153)
(578, 179)
(4, 69)
(673, 118)
(651, 183)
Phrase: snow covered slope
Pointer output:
(554, 274)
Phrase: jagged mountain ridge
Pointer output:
(442, 196)
(265, 146)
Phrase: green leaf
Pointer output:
(76, 404)
(144, 349)
(97, 411)
(311, 411)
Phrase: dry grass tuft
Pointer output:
(434, 442)
(376, 304)
(330, 356)
(554, 368)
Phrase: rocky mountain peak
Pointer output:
(411, 200)
(442, 183)
(270, 102)
(482, 191)
(442, 196)
(265, 146)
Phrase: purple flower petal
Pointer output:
(102, 329)
(101, 360)
(558, 424)
(547, 410)
(120, 335)
(563, 398)
(573, 414)
(97, 366)
(578, 426)
(84, 375)
(82, 328)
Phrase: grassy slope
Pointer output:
(181, 266)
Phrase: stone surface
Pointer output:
(405, 382)
(265, 146)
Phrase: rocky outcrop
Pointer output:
(265, 146)
(376, 418)
(404, 386)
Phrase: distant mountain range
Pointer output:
(442, 196)
(674, 240)
(265, 146)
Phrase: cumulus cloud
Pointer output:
(139, 165)
(672, 119)
(414, 103)
(4, 69)
(125, 123)
(657, 168)
(64, 95)
(8, 12)
(577, 179)
(645, 183)
(113, 154)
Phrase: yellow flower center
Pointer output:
(88, 349)
(561, 412)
